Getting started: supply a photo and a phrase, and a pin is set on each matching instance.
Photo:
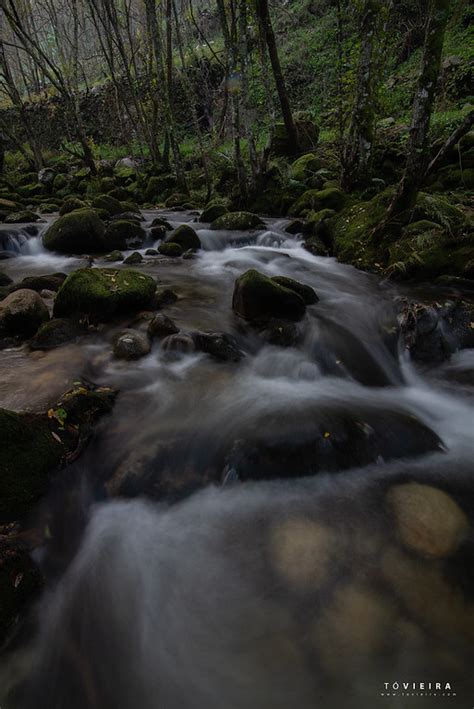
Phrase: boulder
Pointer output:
(237, 221)
(81, 231)
(46, 176)
(124, 234)
(55, 333)
(25, 217)
(163, 297)
(22, 312)
(51, 281)
(114, 256)
(110, 204)
(158, 232)
(305, 167)
(306, 292)
(131, 344)
(70, 205)
(103, 293)
(307, 443)
(170, 249)
(186, 237)
(257, 297)
(134, 259)
(212, 212)
(316, 200)
(33, 445)
(159, 221)
(162, 326)
(219, 345)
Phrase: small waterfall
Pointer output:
(13, 241)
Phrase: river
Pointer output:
(199, 556)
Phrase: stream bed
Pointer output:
(205, 552)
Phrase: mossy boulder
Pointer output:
(25, 217)
(306, 292)
(212, 212)
(316, 200)
(305, 167)
(124, 234)
(81, 231)
(50, 281)
(22, 313)
(170, 249)
(110, 204)
(133, 259)
(7, 205)
(70, 205)
(186, 237)
(258, 298)
(237, 221)
(60, 182)
(34, 445)
(48, 208)
(103, 293)
(55, 333)
(158, 185)
(177, 199)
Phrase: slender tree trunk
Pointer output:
(358, 150)
(417, 148)
(265, 21)
(453, 139)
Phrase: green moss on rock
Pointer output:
(316, 200)
(186, 237)
(103, 293)
(110, 204)
(237, 221)
(81, 231)
(259, 298)
(70, 205)
(170, 249)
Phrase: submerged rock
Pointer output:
(330, 441)
(81, 231)
(131, 344)
(34, 445)
(103, 293)
(219, 345)
(162, 326)
(237, 221)
(428, 520)
(258, 297)
(163, 297)
(22, 312)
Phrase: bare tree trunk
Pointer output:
(358, 150)
(230, 43)
(417, 148)
(265, 21)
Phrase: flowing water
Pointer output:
(297, 592)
